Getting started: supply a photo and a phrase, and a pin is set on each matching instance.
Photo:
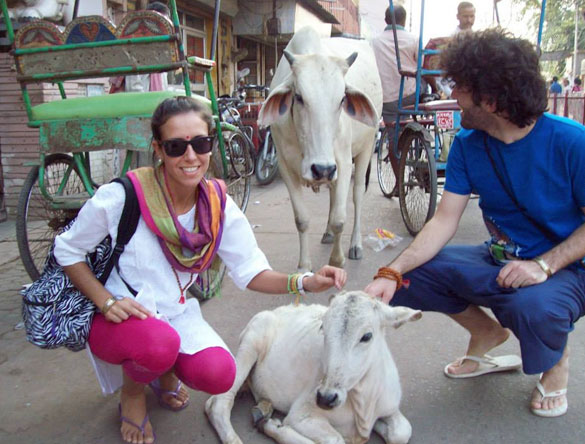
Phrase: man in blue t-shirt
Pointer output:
(527, 167)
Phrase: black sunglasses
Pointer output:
(177, 147)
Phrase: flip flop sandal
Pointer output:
(159, 392)
(487, 364)
(556, 411)
(133, 424)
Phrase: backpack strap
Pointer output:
(126, 229)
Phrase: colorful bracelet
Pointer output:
(292, 284)
(391, 274)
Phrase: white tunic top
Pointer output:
(145, 268)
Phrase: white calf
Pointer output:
(328, 368)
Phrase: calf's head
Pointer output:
(313, 96)
(354, 334)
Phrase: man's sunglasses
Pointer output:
(177, 147)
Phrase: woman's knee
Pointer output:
(212, 370)
(151, 343)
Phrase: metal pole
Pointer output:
(576, 40)
(215, 28)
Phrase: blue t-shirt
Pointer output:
(545, 170)
(556, 88)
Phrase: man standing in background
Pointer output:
(466, 17)
(385, 53)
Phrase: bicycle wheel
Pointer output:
(417, 182)
(37, 223)
(266, 162)
(386, 176)
(239, 149)
(239, 181)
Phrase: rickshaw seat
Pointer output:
(105, 106)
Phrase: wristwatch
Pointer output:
(542, 263)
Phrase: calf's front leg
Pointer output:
(394, 429)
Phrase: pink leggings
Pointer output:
(148, 348)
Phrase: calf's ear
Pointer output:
(359, 107)
(397, 316)
(277, 105)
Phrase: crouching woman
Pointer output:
(158, 337)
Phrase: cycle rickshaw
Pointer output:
(71, 129)
(423, 136)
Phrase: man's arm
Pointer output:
(524, 273)
(434, 236)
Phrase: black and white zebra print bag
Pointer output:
(55, 313)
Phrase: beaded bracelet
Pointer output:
(391, 274)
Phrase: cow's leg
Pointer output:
(284, 434)
(218, 408)
(337, 211)
(394, 429)
(307, 431)
(328, 235)
(362, 162)
(301, 214)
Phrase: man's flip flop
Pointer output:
(554, 412)
(159, 392)
(487, 364)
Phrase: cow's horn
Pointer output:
(290, 57)
(351, 59)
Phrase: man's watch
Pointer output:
(542, 263)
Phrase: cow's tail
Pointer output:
(368, 171)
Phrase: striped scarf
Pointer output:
(157, 210)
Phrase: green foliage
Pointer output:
(559, 27)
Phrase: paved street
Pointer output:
(53, 396)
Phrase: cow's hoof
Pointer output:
(327, 238)
(261, 412)
(356, 253)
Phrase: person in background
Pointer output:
(147, 332)
(577, 85)
(555, 86)
(566, 85)
(465, 16)
(385, 53)
(531, 271)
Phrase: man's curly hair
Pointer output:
(500, 69)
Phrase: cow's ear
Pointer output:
(333, 296)
(277, 105)
(359, 107)
(396, 316)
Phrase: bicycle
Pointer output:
(267, 160)
(70, 129)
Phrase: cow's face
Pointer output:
(354, 341)
(314, 96)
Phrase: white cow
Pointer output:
(328, 368)
(323, 111)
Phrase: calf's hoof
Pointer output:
(261, 412)
(356, 253)
(327, 238)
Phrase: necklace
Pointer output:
(182, 298)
